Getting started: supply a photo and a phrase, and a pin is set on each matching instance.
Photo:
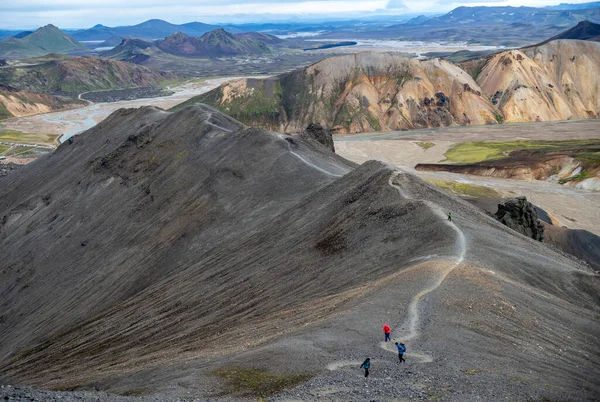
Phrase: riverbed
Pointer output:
(67, 123)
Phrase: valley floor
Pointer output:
(70, 122)
(574, 208)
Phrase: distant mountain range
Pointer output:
(585, 30)
(481, 15)
(151, 29)
(569, 6)
(45, 40)
(217, 43)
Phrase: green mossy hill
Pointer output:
(48, 39)
(82, 74)
(473, 152)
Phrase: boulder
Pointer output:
(316, 132)
(521, 215)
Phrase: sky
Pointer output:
(84, 14)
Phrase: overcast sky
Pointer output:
(19, 14)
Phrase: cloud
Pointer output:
(80, 14)
(69, 13)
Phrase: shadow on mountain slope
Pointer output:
(159, 245)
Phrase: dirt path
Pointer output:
(413, 321)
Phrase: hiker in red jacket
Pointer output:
(387, 330)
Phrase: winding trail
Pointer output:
(306, 161)
(412, 321)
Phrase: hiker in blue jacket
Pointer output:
(401, 351)
(366, 364)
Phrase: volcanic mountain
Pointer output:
(217, 43)
(45, 40)
(585, 30)
(362, 92)
(158, 252)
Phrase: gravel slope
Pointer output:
(157, 247)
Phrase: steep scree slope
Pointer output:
(157, 246)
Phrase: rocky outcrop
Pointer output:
(316, 132)
(521, 216)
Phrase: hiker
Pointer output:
(387, 330)
(366, 364)
(450, 216)
(401, 351)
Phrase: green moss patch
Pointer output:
(425, 145)
(258, 383)
(469, 190)
(473, 152)
(19, 137)
(137, 392)
(580, 176)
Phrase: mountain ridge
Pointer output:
(148, 30)
(124, 247)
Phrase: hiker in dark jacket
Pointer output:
(366, 364)
(401, 351)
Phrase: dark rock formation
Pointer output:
(8, 168)
(316, 132)
(521, 216)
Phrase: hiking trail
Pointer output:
(412, 321)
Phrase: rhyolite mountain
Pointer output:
(163, 253)
(554, 81)
(376, 92)
(45, 40)
(364, 92)
(17, 103)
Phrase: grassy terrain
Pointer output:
(258, 383)
(27, 138)
(590, 158)
(3, 148)
(425, 145)
(473, 152)
(470, 190)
